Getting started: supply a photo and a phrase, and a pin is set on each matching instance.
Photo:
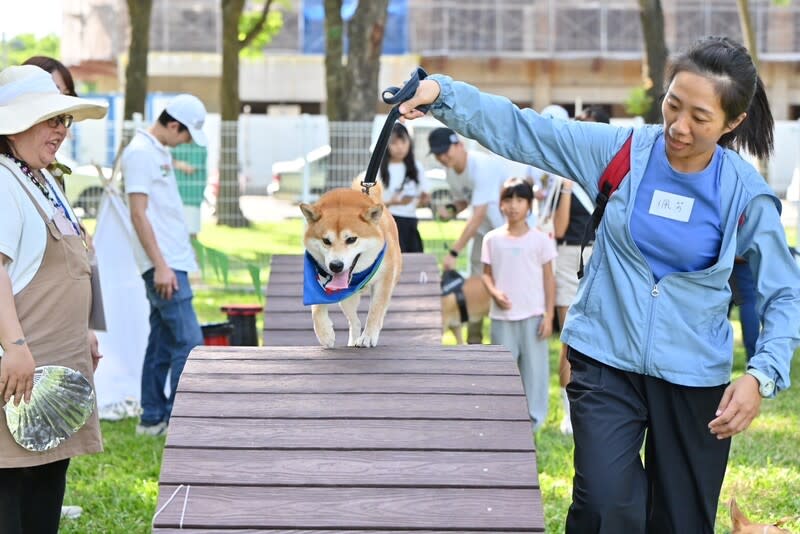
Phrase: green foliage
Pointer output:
(20, 47)
(638, 101)
(272, 25)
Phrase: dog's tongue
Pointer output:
(339, 281)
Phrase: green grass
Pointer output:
(118, 489)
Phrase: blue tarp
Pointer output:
(395, 39)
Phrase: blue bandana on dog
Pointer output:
(315, 278)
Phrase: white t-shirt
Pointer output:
(23, 234)
(480, 184)
(399, 184)
(147, 168)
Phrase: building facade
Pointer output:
(536, 52)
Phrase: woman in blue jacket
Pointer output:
(650, 344)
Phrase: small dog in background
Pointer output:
(742, 525)
(463, 300)
(348, 232)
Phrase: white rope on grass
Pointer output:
(171, 497)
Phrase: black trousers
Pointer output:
(677, 488)
(31, 498)
(410, 240)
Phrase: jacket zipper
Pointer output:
(646, 359)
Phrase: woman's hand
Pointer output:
(449, 263)
(740, 404)
(427, 93)
(16, 372)
(94, 347)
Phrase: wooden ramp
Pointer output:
(414, 316)
(306, 440)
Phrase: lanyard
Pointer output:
(60, 206)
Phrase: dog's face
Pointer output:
(742, 525)
(343, 234)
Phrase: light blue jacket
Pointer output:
(677, 329)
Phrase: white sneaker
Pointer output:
(71, 512)
(566, 426)
(158, 429)
(566, 422)
(120, 410)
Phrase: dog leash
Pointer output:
(393, 96)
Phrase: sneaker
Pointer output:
(71, 512)
(158, 429)
(566, 422)
(566, 425)
(120, 410)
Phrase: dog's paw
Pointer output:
(367, 339)
(325, 335)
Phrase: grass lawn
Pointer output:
(118, 489)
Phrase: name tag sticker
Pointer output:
(671, 206)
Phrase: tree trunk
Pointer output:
(748, 34)
(335, 72)
(136, 71)
(366, 30)
(229, 212)
(352, 87)
(655, 55)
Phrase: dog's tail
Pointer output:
(375, 191)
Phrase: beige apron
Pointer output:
(53, 310)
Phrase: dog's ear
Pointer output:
(310, 212)
(738, 519)
(373, 214)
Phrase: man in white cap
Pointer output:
(163, 252)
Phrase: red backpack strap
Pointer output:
(609, 182)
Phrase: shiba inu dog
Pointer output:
(476, 300)
(742, 525)
(351, 244)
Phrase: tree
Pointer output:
(352, 86)
(19, 48)
(136, 71)
(655, 55)
(239, 31)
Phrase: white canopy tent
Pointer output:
(118, 376)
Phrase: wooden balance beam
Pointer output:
(414, 317)
(308, 440)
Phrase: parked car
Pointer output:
(84, 187)
(287, 176)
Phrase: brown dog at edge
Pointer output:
(478, 300)
(742, 525)
(346, 232)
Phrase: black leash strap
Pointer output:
(393, 96)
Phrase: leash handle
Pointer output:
(393, 96)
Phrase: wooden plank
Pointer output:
(349, 406)
(402, 290)
(349, 468)
(385, 384)
(367, 434)
(433, 352)
(351, 508)
(295, 261)
(395, 338)
(418, 303)
(216, 530)
(362, 365)
(393, 321)
(407, 276)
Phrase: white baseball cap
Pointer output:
(189, 111)
(554, 111)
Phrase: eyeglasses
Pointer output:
(64, 119)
